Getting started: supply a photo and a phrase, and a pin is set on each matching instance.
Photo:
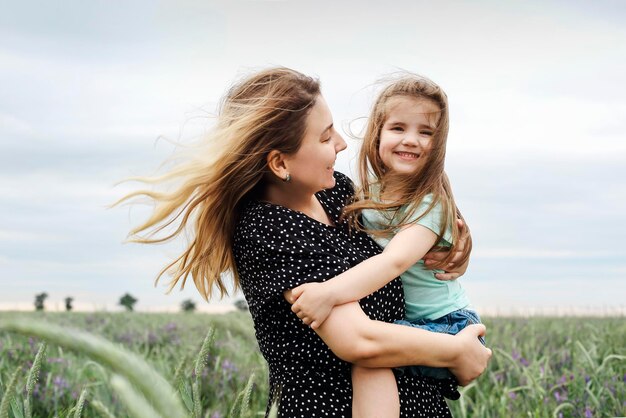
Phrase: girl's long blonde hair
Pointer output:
(430, 179)
(264, 112)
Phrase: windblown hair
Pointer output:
(377, 182)
(264, 112)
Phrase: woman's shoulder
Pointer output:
(343, 181)
(341, 192)
(257, 215)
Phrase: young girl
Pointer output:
(408, 207)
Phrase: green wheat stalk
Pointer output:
(273, 411)
(201, 362)
(78, 409)
(156, 389)
(99, 407)
(247, 392)
(8, 393)
(33, 375)
(136, 404)
(178, 373)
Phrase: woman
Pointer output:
(266, 205)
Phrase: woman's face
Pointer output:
(312, 167)
(406, 137)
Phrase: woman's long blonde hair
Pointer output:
(264, 112)
(412, 188)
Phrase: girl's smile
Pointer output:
(407, 134)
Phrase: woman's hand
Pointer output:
(312, 302)
(473, 356)
(452, 271)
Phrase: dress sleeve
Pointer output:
(277, 255)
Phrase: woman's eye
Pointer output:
(327, 139)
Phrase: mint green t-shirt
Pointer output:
(425, 296)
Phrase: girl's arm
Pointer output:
(355, 338)
(314, 301)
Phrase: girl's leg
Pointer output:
(374, 393)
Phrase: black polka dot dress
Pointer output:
(278, 249)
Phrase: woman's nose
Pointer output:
(340, 144)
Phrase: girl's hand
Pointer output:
(453, 271)
(473, 356)
(312, 303)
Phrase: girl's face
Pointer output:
(406, 136)
(312, 167)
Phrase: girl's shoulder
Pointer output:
(424, 207)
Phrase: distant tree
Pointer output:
(188, 305)
(39, 300)
(128, 302)
(241, 304)
(68, 303)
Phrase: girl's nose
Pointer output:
(410, 139)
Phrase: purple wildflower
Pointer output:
(60, 383)
(126, 338)
(216, 415)
(170, 327)
(588, 412)
(512, 395)
(588, 378)
(524, 362)
(560, 397)
(228, 366)
(60, 386)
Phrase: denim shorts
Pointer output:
(451, 323)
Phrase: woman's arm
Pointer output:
(314, 301)
(355, 338)
(453, 270)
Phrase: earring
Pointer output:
(287, 178)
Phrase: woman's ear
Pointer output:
(277, 165)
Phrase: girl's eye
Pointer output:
(397, 129)
(426, 133)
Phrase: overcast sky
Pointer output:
(536, 152)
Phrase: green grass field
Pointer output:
(542, 367)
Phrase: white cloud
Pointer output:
(536, 129)
(538, 253)
(12, 125)
(13, 236)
